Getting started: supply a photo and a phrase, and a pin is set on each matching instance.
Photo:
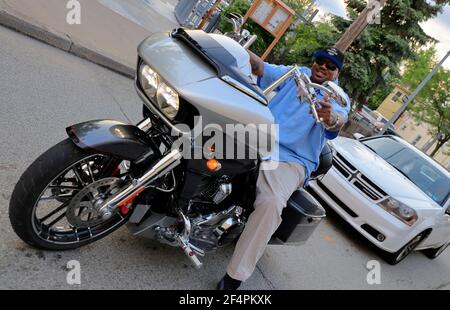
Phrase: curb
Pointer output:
(63, 42)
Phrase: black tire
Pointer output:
(30, 187)
(434, 253)
(397, 257)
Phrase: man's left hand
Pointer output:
(325, 110)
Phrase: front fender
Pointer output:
(112, 138)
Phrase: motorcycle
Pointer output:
(108, 173)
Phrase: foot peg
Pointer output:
(190, 253)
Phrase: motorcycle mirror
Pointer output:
(339, 95)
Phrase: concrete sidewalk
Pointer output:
(108, 35)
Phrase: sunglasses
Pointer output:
(322, 61)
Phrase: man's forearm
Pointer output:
(257, 64)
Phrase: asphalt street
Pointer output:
(42, 91)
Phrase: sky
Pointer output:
(438, 28)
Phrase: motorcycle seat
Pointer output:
(220, 59)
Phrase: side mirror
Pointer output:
(358, 136)
(448, 211)
(339, 94)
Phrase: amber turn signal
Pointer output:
(213, 165)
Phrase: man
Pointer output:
(301, 141)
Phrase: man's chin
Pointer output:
(318, 80)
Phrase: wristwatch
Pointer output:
(337, 119)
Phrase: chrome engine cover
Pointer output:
(217, 229)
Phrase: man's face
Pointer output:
(324, 70)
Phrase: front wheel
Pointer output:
(53, 204)
(397, 257)
(434, 253)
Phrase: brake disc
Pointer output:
(82, 211)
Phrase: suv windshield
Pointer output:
(421, 172)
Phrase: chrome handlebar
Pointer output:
(307, 90)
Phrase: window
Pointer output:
(397, 96)
(421, 172)
(416, 140)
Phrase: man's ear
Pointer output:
(337, 75)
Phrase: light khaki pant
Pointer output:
(274, 188)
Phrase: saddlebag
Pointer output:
(300, 218)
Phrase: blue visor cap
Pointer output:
(333, 54)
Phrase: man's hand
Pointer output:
(257, 64)
(329, 117)
(325, 109)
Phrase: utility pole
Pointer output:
(208, 15)
(413, 95)
(368, 15)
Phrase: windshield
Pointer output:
(421, 172)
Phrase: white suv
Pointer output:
(393, 194)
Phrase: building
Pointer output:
(394, 101)
(418, 135)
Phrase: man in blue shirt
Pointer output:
(300, 141)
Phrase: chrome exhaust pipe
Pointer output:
(165, 165)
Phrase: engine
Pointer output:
(217, 229)
(215, 221)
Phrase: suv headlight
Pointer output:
(156, 89)
(401, 211)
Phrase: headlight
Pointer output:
(149, 81)
(404, 213)
(168, 101)
(155, 89)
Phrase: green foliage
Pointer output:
(374, 59)
(299, 47)
(433, 106)
(418, 67)
(241, 7)
(264, 37)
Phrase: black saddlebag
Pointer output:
(300, 218)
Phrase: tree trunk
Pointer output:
(438, 146)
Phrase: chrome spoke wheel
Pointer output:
(64, 213)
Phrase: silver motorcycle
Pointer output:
(108, 173)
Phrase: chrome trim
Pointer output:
(244, 89)
(250, 42)
(357, 176)
(166, 164)
(278, 82)
(145, 125)
(184, 241)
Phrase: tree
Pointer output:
(434, 109)
(374, 59)
(306, 39)
(417, 68)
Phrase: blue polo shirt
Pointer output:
(300, 138)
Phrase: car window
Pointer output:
(385, 147)
(421, 172)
